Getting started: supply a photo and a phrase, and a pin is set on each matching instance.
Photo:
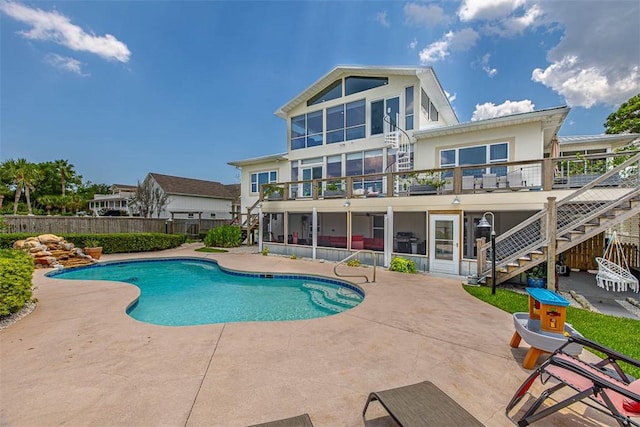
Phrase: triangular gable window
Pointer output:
(333, 91)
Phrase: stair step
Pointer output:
(340, 296)
(318, 299)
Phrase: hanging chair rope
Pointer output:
(613, 270)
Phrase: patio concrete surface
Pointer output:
(80, 360)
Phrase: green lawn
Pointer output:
(620, 334)
(208, 249)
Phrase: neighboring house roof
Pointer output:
(123, 187)
(259, 160)
(427, 77)
(192, 187)
(234, 189)
(616, 140)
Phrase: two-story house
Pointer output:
(376, 159)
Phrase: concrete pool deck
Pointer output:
(78, 359)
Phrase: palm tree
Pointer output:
(65, 170)
(24, 176)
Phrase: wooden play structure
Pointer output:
(544, 326)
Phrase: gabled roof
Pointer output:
(193, 187)
(426, 75)
(124, 187)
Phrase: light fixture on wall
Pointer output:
(347, 203)
(456, 201)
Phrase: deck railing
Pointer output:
(543, 174)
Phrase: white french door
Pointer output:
(444, 243)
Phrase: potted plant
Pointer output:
(537, 276)
(272, 192)
(92, 248)
(334, 189)
(427, 183)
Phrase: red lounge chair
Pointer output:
(602, 386)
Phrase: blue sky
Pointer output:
(123, 88)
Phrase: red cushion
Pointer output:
(631, 406)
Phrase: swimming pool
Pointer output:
(193, 291)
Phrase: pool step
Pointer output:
(318, 299)
(336, 296)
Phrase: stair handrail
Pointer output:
(373, 255)
(533, 231)
(565, 225)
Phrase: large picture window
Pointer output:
(259, 178)
(477, 155)
(307, 130)
(346, 122)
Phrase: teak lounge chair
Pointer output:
(421, 405)
(602, 386)
(299, 421)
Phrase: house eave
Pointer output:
(340, 71)
(258, 160)
(552, 120)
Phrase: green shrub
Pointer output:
(403, 265)
(265, 250)
(111, 243)
(16, 271)
(353, 262)
(224, 236)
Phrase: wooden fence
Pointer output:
(583, 256)
(106, 224)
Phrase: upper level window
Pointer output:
(307, 130)
(357, 84)
(428, 110)
(408, 108)
(346, 122)
(477, 155)
(389, 107)
(259, 178)
(333, 91)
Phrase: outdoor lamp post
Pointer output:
(489, 229)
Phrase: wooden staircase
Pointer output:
(582, 215)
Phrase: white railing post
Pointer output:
(551, 246)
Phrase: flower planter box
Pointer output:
(334, 193)
(419, 189)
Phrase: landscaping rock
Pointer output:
(51, 251)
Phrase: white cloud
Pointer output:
(413, 43)
(452, 41)
(515, 25)
(428, 15)
(381, 18)
(491, 72)
(52, 26)
(471, 10)
(489, 110)
(586, 86)
(65, 63)
(597, 60)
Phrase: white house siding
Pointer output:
(181, 204)
(248, 198)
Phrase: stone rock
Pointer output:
(51, 251)
(49, 238)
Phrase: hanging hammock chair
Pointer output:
(613, 270)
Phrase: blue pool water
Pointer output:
(179, 292)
